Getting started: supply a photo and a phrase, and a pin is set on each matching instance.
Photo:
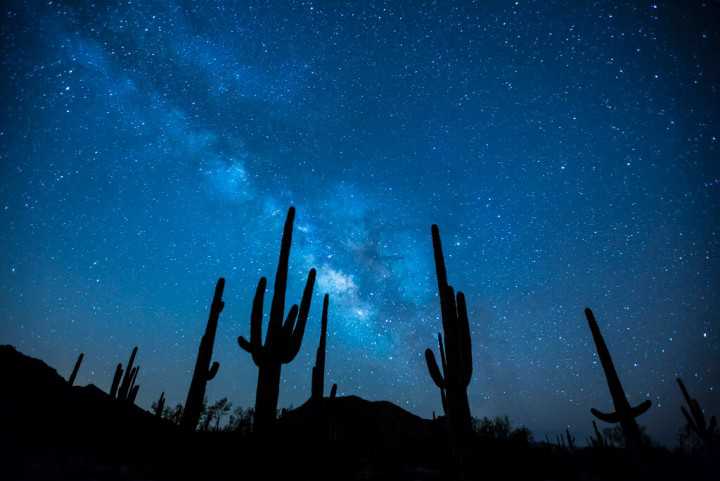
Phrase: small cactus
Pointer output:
(283, 339)
(318, 370)
(73, 375)
(160, 405)
(333, 391)
(124, 390)
(696, 419)
(203, 372)
(624, 413)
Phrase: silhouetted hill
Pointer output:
(36, 399)
(51, 430)
(351, 417)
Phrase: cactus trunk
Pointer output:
(318, 370)
(267, 395)
(624, 413)
(75, 370)
(203, 372)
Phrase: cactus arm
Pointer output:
(613, 381)
(289, 325)
(116, 381)
(441, 348)
(607, 417)
(254, 346)
(640, 408)
(278, 301)
(299, 330)
(257, 313)
(212, 372)
(245, 344)
(435, 374)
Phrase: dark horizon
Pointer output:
(569, 155)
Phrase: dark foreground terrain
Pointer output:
(52, 430)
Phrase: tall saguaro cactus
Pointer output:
(455, 352)
(318, 370)
(696, 419)
(203, 372)
(283, 339)
(73, 375)
(624, 413)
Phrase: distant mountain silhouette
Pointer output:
(351, 417)
(50, 429)
(37, 399)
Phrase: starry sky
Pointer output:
(568, 150)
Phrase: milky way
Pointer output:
(568, 151)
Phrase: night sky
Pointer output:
(567, 150)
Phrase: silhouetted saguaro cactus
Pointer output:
(455, 352)
(160, 405)
(696, 418)
(203, 372)
(318, 370)
(75, 370)
(124, 390)
(283, 339)
(624, 413)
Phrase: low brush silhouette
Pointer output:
(624, 413)
(597, 440)
(283, 339)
